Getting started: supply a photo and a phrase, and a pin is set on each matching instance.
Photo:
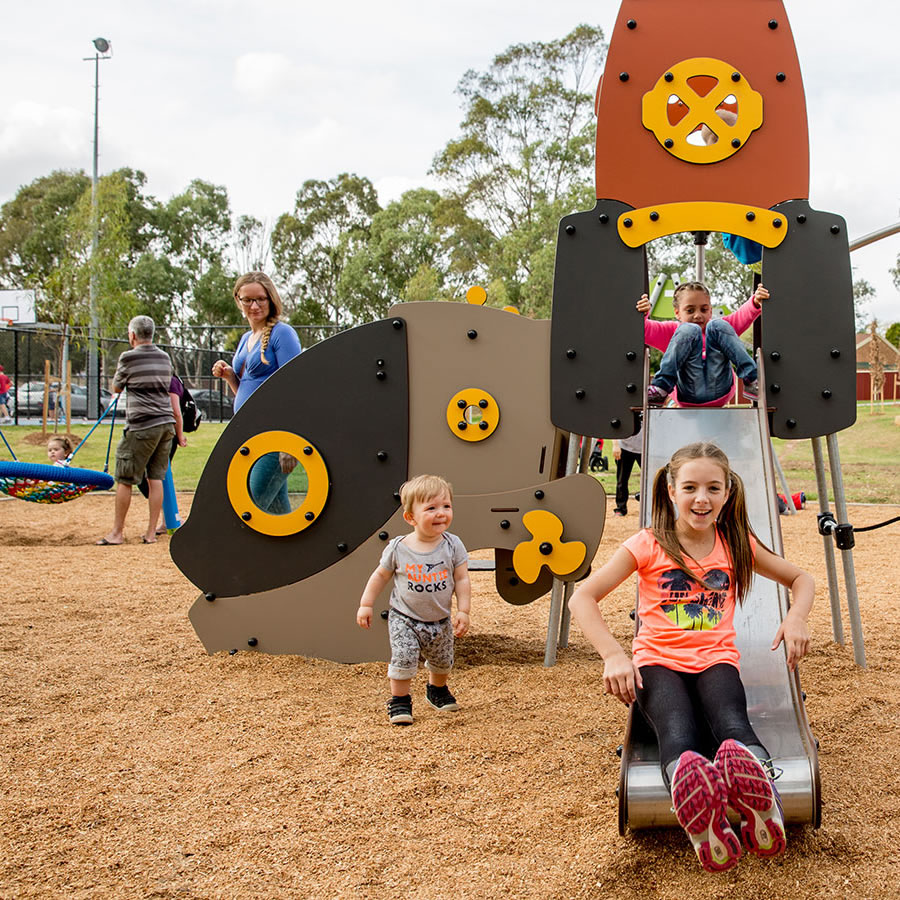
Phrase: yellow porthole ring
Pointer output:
(701, 109)
(239, 492)
(473, 414)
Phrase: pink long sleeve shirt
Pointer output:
(658, 334)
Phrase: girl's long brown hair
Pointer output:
(275, 305)
(733, 523)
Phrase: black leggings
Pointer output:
(673, 702)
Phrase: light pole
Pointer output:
(102, 47)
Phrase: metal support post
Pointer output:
(840, 503)
(792, 510)
(837, 625)
(556, 594)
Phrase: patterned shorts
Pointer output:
(412, 640)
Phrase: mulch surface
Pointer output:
(135, 765)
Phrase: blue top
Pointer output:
(251, 371)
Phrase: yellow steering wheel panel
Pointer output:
(473, 414)
(701, 110)
(237, 483)
(546, 548)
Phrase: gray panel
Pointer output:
(597, 336)
(773, 693)
(808, 329)
(334, 396)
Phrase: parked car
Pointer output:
(215, 405)
(30, 399)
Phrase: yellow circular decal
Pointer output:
(473, 414)
(689, 95)
(288, 445)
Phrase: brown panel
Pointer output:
(317, 616)
(509, 358)
(511, 588)
(631, 164)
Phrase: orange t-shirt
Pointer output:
(684, 626)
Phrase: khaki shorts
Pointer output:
(146, 450)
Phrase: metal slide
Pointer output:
(774, 698)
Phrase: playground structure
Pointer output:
(501, 408)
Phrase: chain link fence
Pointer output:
(25, 348)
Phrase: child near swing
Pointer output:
(59, 448)
(695, 564)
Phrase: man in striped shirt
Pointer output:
(147, 373)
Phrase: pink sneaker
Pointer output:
(699, 798)
(752, 794)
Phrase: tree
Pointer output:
(251, 244)
(33, 228)
(892, 334)
(524, 157)
(863, 294)
(408, 254)
(311, 246)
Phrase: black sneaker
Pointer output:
(441, 698)
(400, 710)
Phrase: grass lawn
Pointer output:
(870, 456)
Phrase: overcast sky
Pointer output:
(262, 96)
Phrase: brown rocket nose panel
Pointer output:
(751, 50)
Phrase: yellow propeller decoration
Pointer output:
(546, 548)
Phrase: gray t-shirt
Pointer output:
(423, 582)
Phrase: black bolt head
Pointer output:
(775, 389)
(483, 426)
(382, 455)
(471, 334)
(461, 404)
(735, 76)
(654, 216)
(309, 516)
(397, 324)
(252, 642)
(245, 451)
(246, 516)
(604, 218)
(835, 229)
(775, 355)
(631, 356)
(623, 76)
(396, 495)
(631, 387)
(382, 535)
(571, 353)
(462, 426)
(773, 24)
(780, 76)
(342, 547)
(379, 362)
(801, 218)
(735, 142)
(381, 374)
(580, 393)
(631, 24)
(826, 394)
(750, 215)
(307, 451)
(835, 353)
(546, 548)
(210, 596)
(777, 223)
(627, 223)
(539, 495)
(513, 581)
(570, 228)
(384, 614)
(483, 403)
(669, 76)
(615, 423)
(791, 423)
(504, 524)
(668, 143)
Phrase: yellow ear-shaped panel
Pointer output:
(546, 548)
(473, 414)
(237, 483)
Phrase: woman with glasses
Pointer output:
(264, 349)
